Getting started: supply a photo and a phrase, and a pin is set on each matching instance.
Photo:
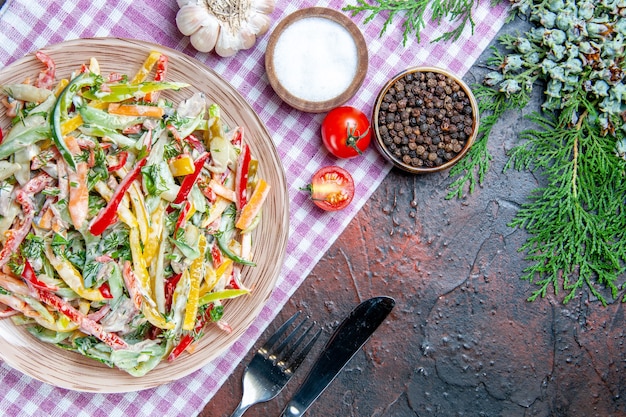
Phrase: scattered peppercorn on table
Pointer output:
(459, 336)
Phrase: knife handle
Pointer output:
(292, 411)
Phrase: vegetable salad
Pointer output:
(125, 219)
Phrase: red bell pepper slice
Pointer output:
(85, 323)
(208, 193)
(28, 275)
(46, 76)
(161, 69)
(189, 181)
(241, 178)
(170, 286)
(105, 290)
(195, 142)
(237, 137)
(216, 255)
(180, 222)
(233, 284)
(183, 344)
(188, 338)
(108, 215)
(134, 129)
(191, 139)
(174, 133)
(122, 157)
(159, 75)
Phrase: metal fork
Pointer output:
(273, 366)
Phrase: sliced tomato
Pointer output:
(331, 188)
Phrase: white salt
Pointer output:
(315, 59)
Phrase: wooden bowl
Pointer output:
(450, 145)
(316, 70)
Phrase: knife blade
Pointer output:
(346, 340)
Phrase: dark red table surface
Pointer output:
(462, 339)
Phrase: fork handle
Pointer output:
(241, 408)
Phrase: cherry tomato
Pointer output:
(346, 132)
(331, 188)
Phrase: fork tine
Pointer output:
(297, 361)
(274, 338)
(286, 355)
(278, 351)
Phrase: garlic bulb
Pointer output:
(225, 26)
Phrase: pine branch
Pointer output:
(576, 223)
(414, 13)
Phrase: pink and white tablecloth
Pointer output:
(28, 25)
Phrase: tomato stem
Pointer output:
(353, 137)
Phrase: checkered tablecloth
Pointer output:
(28, 25)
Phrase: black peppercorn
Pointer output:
(426, 119)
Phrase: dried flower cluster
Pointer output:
(578, 49)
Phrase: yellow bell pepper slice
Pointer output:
(72, 277)
(148, 307)
(71, 125)
(146, 68)
(94, 65)
(75, 122)
(210, 279)
(225, 267)
(181, 165)
(215, 212)
(61, 86)
(138, 203)
(151, 313)
(196, 270)
(213, 276)
(62, 324)
(155, 230)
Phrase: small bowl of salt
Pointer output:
(316, 59)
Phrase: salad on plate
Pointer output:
(125, 219)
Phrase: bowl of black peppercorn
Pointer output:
(425, 120)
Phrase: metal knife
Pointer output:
(347, 339)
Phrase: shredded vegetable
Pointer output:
(124, 218)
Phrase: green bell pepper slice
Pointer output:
(59, 113)
(94, 116)
(32, 129)
(212, 297)
(121, 92)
